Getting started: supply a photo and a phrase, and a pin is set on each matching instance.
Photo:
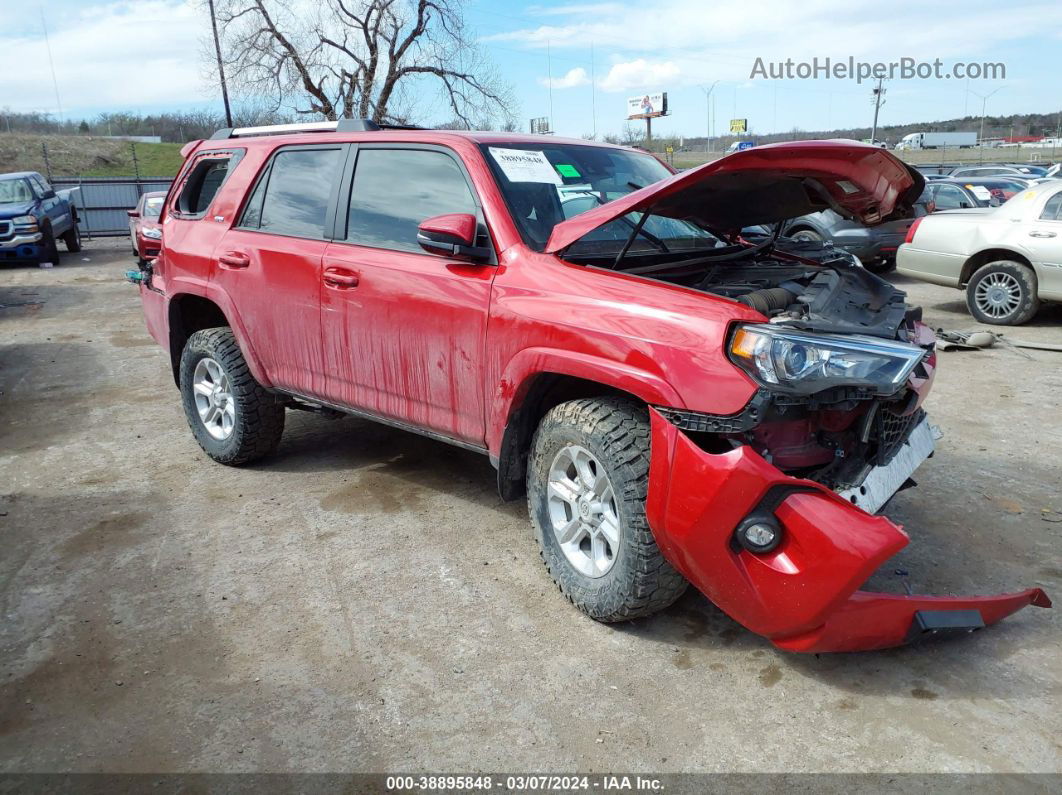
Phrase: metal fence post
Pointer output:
(47, 163)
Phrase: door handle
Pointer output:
(234, 260)
(340, 278)
(1042, 234)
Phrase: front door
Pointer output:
(403, 329)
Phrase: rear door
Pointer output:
(403, 329)
(269, 262)
(1044, 243)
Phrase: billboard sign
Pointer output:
(739, 125)
(647, 106)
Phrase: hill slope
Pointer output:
(84, 156)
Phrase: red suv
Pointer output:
(685, 396)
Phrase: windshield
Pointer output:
(15, 191)
(546, 183)
(153, 206)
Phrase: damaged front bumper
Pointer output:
(802, 595)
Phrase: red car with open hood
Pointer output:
(680, 400)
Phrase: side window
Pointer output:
(291, 197)
(203, 182)
(40, 185)
(949, 197)
(1053, 208)
(395, 189)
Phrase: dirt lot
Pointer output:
(364, 601)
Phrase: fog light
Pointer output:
(759, 535)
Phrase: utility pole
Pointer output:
(708, 111)
(221, 65)
(593, 89)
(879, 100)
(549, 79)
(984, 103)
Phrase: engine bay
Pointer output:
(835, 436)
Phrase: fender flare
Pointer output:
(210, 292)
(529, 363)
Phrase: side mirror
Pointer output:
(451, 235)
(132, 213)
(964, 205)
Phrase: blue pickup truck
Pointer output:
(33, 217)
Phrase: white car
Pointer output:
(1008, 258)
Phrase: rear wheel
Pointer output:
(587, 479)
(72, 238)
(234, 419)
(1003, 293)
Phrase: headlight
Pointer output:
(804, 363)
(153, 232)
(26, 223)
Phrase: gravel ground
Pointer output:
(363, 601)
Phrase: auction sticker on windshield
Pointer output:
(521, 165)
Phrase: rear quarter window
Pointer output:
(204, 180)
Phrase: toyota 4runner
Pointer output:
(681, 400)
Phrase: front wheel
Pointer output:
(49, 249)
(1003, 294)
(234, 419)
(587, 479)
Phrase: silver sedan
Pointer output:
(1007, 258)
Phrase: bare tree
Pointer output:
(359, 58)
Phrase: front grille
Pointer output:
(6, 230)
(891, 431)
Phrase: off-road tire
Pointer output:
(72, 238)
(616, 432)
(259, 415)
(49, 249)
(1028, 303)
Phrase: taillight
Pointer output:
(911, 229)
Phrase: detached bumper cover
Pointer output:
(802, 595)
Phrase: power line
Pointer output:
(51, 64)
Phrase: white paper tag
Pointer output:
(522, 165)
(981, 192)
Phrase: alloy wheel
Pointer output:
(582, 511)
(214, 399)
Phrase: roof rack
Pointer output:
(342, 125)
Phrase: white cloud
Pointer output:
(640, 73)
(121, 55)
(724, 41)
(574, 78)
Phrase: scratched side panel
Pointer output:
(408, 342)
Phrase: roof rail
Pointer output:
(343, 125)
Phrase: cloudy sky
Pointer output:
(143, 55)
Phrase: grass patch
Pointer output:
(85, 156)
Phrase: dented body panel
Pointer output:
(802, 595)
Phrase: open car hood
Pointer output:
(767, 184)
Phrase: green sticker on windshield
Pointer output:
(567, 171)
